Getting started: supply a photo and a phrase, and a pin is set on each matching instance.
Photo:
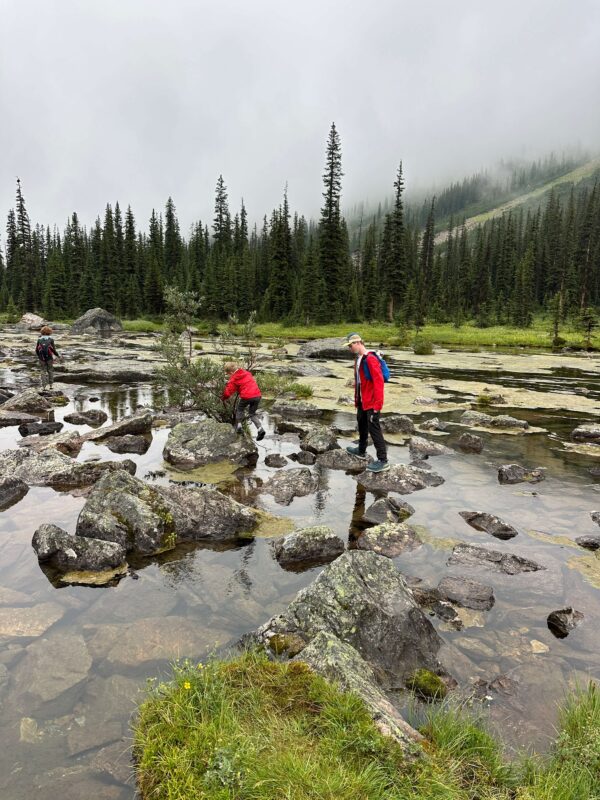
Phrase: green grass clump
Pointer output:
(484, 400)
(273, 384)
(142, 325)
(427, 684)
(422, 346)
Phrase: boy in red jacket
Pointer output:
(242, 382)
(368, 399)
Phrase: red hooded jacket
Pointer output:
(371, 391)
(244, 384)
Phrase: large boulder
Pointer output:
(52, 468)
(149, 519)
(420, 447)
(308, 547)
(194, 444)
(488, 523)
(472, 556)
(397, 423)
(93, 417)
(33, 322)
(515, 473)
(11, 491)
(96, 321)
(342, 459)
(66, 552)
(387, 509)
(30, 401)
(363, 601)
(588, 434)
(295, 408)
(134, 425)
(389, 539)
(399, 478)
(289, 483)
(325, 348)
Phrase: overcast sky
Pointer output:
(136, 100)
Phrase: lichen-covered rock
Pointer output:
(399, 478)
(30, 401)
(342, 459)
(40, 428)
(93, 417)
(387, 509)
(509, 563)
(488, 523)
(96, 321)
(52, 468)
(466, 593)
(128, 444)
(480, 420)
(389, 539)
(341, 663)
(135, 425)
(295, 408)
(325, 348)
(290, 483)
(589, 434)
(515, 473)
(420, 447)
(67, 442)
(433, 424)
(149, 519)
(563, 621)
(11, 491)
(470, 443)
(397, 423)
(306, 547)
(195, 444)
(66, 552)
(275, 460)
(363, 600)
(319, 440)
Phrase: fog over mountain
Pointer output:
(138, 100)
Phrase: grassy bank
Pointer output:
(251, 729)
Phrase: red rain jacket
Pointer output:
(371, 391)
(243, 383)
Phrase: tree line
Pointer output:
(293, 270)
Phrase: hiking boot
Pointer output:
(378, 466)
(261, 433)
(356, 451)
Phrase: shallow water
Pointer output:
(69, 691)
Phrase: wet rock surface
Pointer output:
(481, 420)
(10, 418)
(40, 428)
(515, 473)
(342, 459)
(134, 425)
(290, 483)
(420, 447)
(470, 443)
(309, 546)
(67, 442)
(466, 593)
(563, 621)
(53, 468)
(64, 551)
(128, 443)
(275, 460)
(389, 539)
(509, 563)
(11, 491)
(387, 509)
(195, 444)
(399, 478)
(305, 458)
(29, 401)
(433, 424)
(488, 523)
(589, 434)
(319, 440)
(589, 542)
(93, 417)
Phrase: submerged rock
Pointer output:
(11, 491)
(290, 483)
(40, 428)
(53, 468)
(342, 459)
(488, 523)
(93, 417)
(387, 509)
(590, 541)
(399, 478)
(363, 601)
(509, 563)
(397, 423)
(563, 621)
(195, 444)
(466, 593)
(325, 348)
(96, 321)
(30, 401)
(275, 460)
(420, 447)
(295, 408)
(470, 443)
(589, 434)
(389, 539)
(149, 519)
(515, 473)
(308, 546)
(64, 551)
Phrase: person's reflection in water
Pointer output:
(356, 523)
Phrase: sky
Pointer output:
(138, 100)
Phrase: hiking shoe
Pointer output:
(378, 466)
(261, 434)
(356, 451)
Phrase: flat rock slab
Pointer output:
(389, 539)
(515, 473)
(589, 434)
(66, 552)
(296, 408)
(466, 593)
(11, 491)
(67, 442)
(30, 401)
(481, 420)
(29, 622)
(399, 478)
(290, 483)
(52, 468)
(342, 459)
(308, 546)
(113, 371)
(422, 448)
(387, 509)
(10, 418)
(40, 428)
(563, 621)
(325, 348)
(488, 523)
(134, 425)
(195, 444)
(509, 563)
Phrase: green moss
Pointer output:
(484, 400)
(427, 684)
(287, 643)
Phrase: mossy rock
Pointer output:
(427, 685)
(289, 644)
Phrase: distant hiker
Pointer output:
(46, 352)
(368, 399)
(242, 381)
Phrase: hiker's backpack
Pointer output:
(385, 370)
(44, 349)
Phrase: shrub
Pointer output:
(422, 346)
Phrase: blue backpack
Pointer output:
(385, 370)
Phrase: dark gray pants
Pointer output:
(251, 405)
(46, 373)
(368, 424)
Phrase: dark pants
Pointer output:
(368, 424)
(251, 405)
